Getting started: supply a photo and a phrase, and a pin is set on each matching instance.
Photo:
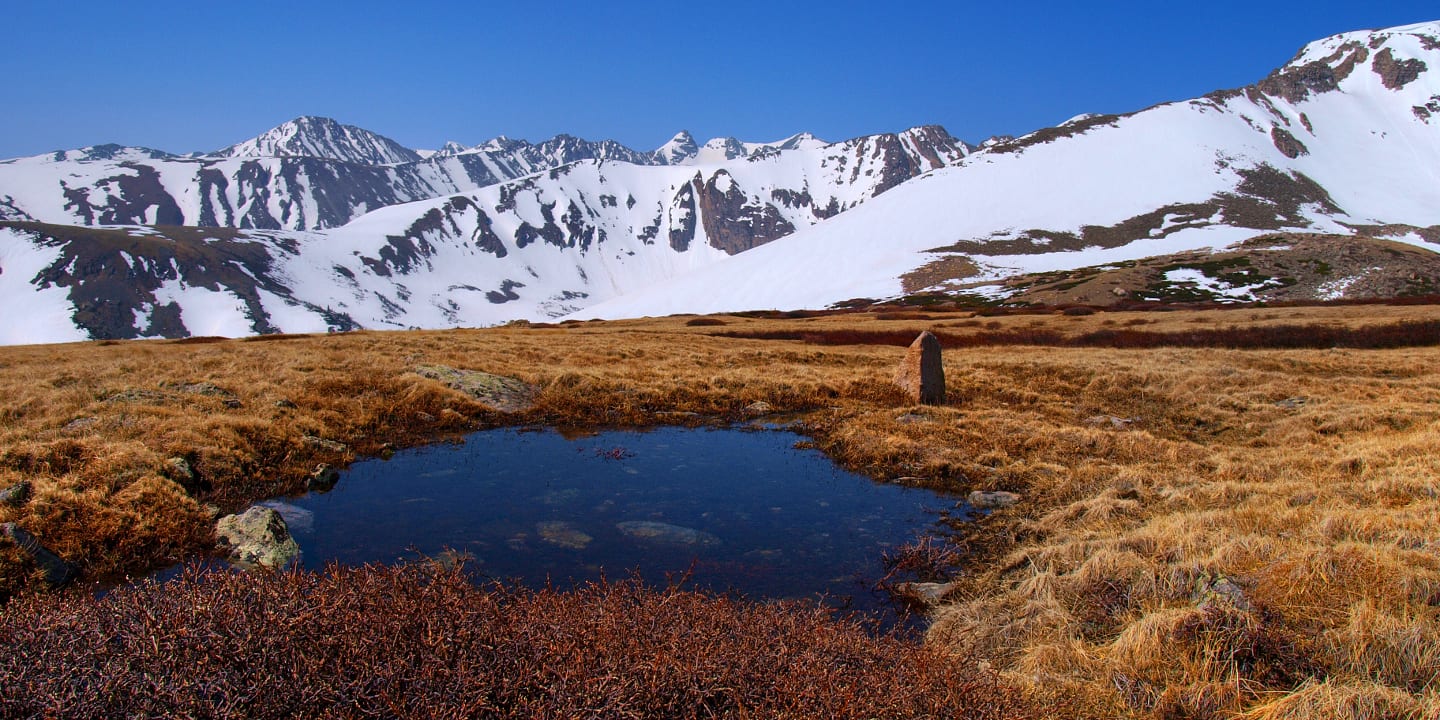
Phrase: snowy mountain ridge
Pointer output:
(1344, 140)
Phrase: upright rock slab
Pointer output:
(922, 373)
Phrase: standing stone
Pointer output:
(922, 373)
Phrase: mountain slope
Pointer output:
(1341, 140)
(532, 248)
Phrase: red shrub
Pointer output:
(419, 641)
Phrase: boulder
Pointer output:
(257, 537)
(57, 571)
(922, 373)
(502, 393)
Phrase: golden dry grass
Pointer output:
(1259, 539)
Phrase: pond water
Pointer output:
(740, 510)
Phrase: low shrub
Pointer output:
(422, 641)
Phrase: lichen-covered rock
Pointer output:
(922, 373)
(505, 394)
(257, 537)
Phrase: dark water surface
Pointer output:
(741, 509)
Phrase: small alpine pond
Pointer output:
(738, 509)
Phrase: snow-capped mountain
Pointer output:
(320, 137)
(1342, 140)
(312, 174)
(539, 246)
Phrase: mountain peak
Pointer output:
(323, 137)
(680, 148)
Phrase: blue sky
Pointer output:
(185, 76)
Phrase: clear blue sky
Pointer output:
(200, 75)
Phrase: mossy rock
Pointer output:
(499, 392)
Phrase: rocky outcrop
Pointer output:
(257, 537)
(922, 373)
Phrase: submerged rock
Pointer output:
(922, 373)
(57, 571)
(564, 534)
(257, 537)
(666, 533)
(505, 394)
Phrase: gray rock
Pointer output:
(16, 495)
(57, 571)
(257, 537)
(666, 533)
(992, 499)
(756, 409)
(922, 373)
(324, 444)
(502, 393)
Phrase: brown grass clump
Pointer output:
(419, 641)
(1203, 531)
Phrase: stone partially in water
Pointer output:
(666, 533)
(257, 537)
(296, 518)
(563, 534)
(922, 373)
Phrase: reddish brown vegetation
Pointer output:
(420, 641)
(1275, 337)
